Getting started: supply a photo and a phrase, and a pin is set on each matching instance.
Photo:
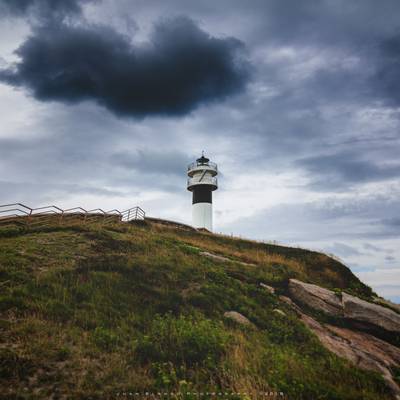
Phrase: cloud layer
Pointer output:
(180, 68)
(42, 9)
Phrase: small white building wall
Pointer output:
(202, 215)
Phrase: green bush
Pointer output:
(183, 340)
(187, 249)
(104, 339)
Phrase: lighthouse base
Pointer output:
(202, 215)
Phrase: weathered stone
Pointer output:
(237, 317)
(268, 288)
(362, 349)
(216, 257)
(388, 303)
(363, 311)
(316, 297)
(292, 304)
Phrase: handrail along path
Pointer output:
(21, 214)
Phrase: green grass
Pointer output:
(91, 311)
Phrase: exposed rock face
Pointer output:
(290, 302)
(362, 349)
(374, 314)
(237, 317)
(393, 306)
(348, 306)
(316, 297)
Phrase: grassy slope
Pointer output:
(91, 310)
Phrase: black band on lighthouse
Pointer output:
(202, 194)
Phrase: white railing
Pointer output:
(196, 164)
(19, 213)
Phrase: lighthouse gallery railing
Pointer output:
(196, 164)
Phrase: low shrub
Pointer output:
(104, 339)
(183, 340)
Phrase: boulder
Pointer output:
(237, 317)
(316, 297)
(374, 314)
(350, 307)
(267, 288)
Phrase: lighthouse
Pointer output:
(202, 181)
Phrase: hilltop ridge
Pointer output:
(99, 311)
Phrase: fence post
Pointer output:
(29, 216)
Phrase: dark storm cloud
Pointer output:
(360, 31)
(43, 9)
(386, 80)
(179, 69)
(344, 169)
(392, 222)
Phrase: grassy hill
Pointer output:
(91, 311)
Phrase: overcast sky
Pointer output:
(104, 103)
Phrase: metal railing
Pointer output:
(197, 164)
(20, 214)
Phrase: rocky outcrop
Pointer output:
(387, 303)
(315, 297)
(373, 314)
(237, 317)
(360, 348)
(347, 306)
(293, 305)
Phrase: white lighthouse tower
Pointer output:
(202, 182)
